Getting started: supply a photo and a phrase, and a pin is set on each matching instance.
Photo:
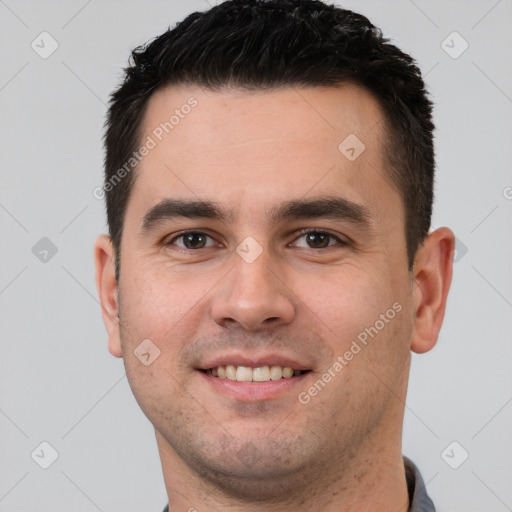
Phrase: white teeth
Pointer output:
(244, 374)
(261, 374)
(276, 372)
(248, 374)
(231, 372)
(287, 373)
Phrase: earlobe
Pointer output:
(106, 284)
(432, 273)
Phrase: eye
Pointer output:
(316, 239)
(313, 239)
(191, 240)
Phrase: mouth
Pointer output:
(249, 377)
(254, 374)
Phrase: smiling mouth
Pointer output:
(258, 374)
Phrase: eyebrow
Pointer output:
(336, 208)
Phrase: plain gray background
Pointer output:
(60, 385)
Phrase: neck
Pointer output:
(373, 479)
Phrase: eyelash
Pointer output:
(301, 233)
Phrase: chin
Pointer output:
(252, 470)
(260, 480)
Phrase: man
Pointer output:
(269, 269)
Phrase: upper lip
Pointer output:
(253, 361)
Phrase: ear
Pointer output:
(106, 284)
(432, 273)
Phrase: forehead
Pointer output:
(207, 119)
(261, 147)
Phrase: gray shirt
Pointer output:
(418, 497)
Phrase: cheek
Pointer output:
(155, 306)
(347, 302)
(365, 319)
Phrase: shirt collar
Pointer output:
(418, 497)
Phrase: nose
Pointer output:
(253, 296)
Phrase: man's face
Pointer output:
(254, 289)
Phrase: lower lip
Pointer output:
(254, 391)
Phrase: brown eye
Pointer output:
(191, 240)
(318, 240)
(315, 239)
(194, 240)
